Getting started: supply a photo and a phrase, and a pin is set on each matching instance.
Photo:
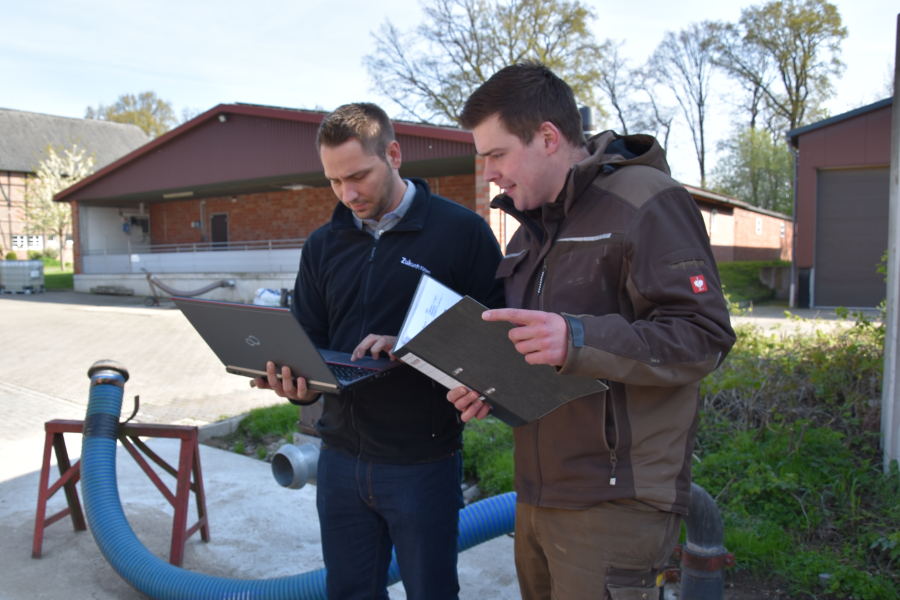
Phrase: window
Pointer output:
(782, 230)
(713, 221)
(35, 242)
(20, 242)
(758, 225)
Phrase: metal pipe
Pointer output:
(703, 556)
(295, 466)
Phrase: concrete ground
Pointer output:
(258, 529)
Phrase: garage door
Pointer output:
(851, 237)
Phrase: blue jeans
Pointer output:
(367, 508)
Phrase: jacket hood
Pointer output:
(608, 151)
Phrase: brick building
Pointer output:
(842, 172)
(24, 136)
(247, 179)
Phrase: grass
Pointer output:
(741, 279)
(57, 279)
(261, 428)
(788, 444)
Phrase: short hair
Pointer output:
(523, 96)
(364, 121)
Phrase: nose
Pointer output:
(348, 193)
(490, 174)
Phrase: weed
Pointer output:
(239, 447)
(261, 452)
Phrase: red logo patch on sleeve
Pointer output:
(698, 284)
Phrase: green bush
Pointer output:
(789, 445)
(488, 455)
(44, 255)
(11, 255)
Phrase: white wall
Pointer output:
(101, 229)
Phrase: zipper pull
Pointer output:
(541, 281)
(372, 254)
(612, 473)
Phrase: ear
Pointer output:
(550, 137)
(393, 155)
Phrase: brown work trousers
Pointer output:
(610, 551)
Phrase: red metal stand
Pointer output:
(188, 464)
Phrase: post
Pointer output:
(890, 394)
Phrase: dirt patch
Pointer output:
(260, 449)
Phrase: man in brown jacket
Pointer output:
(611, 276)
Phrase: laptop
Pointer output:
(245, 337)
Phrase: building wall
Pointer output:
(12, 211)
(761, 237)
(858, 142)
(719, 222)
(281, 215)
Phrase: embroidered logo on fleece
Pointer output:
(698, 284)
(409, 263)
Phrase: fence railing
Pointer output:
(201, 247)
(266, 256)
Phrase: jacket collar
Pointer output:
(413, 220)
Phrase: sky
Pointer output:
(61, 57)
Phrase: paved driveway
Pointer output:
(258, 529)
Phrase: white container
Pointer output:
(21, 276)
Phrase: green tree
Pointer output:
(757, 168)
(152, 114)
(789, 50)
(430, 71)
(59, 169)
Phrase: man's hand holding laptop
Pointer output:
(287, 386)
(295, 389)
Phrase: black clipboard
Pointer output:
(458, 347)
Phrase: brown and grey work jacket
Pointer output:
(624, 250)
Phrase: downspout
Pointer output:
(794, 226)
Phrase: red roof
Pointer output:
(238, 148)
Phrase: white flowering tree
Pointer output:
(58, 170)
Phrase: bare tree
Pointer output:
(616, 83)
(683, 63)
(430, 71)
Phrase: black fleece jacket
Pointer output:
(351, 285)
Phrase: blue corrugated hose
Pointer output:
(158, 579)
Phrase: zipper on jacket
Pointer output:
(541, 280)
(362, 334)
(362, 323)
(353, 425)
(612, 451)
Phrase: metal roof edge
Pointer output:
(795, 133)
(722, 199)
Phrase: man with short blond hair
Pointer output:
(610, 276)
(390, 467)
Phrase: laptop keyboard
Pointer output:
(345, 373)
